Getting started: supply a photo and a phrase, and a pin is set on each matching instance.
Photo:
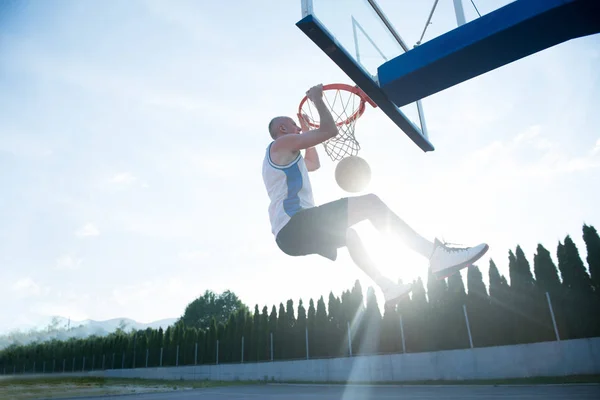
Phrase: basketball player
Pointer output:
(302, 228)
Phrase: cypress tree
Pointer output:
(321, 328)
(256, 336)
(457, 335)
(479, 308)
(301, 330)
(273, 333)
(579, 292)
(283, 340)
(311, 318)
(372, 325)
(574, 273)
(592, 244)
(265, 337)
(335, 335)
(500, 307)
(290, 327)
(527, 303)
(546, 272)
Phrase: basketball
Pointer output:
(352, 174)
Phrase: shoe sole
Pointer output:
(452, 270)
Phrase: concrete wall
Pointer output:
(573, 357)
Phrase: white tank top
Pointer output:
(288, 187)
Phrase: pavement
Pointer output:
(363, 392)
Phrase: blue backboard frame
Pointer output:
(316, 31)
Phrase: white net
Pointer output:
(345, 107)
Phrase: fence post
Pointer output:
(242, 357)
(349, 340)
(468, 326)
(402, 335)
(217, 351)
(161, 356)
(553, 319)
(134, 353)
(196, 354)
(306, 341)
(271, 346)
(123, 360)
(177, 357)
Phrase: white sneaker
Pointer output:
(446, 261)
(394, 292)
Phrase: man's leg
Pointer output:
(370, 207)
(444, 261)
(392, 292)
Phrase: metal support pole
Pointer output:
(271, 346)
(402, 335)
(553, 318)
(306, 341)
(349, 340)
(147, 356)
(161, 356)
(196, 354)
(242, 355)
(177, 357)
(217, 351)
(460, 13)
(468, 327)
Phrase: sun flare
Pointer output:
(391, 256)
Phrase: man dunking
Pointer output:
(301, 228)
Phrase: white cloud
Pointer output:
(193, 255)
(123, 178)
(88, 230)
(530, 154)
(68, 262)
(26, 286)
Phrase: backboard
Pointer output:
(397, 74)
(356, 35)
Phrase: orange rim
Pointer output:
(352, 89)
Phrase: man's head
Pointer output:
(283, 126)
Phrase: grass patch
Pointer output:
(550, 380)
(29, 388)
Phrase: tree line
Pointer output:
(543, 299)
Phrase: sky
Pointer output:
(132, 137)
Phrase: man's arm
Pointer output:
(311, 157)
(327, 128)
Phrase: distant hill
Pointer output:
(61, 328)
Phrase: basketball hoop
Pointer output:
(346, 104)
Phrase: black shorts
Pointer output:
(317, 230)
